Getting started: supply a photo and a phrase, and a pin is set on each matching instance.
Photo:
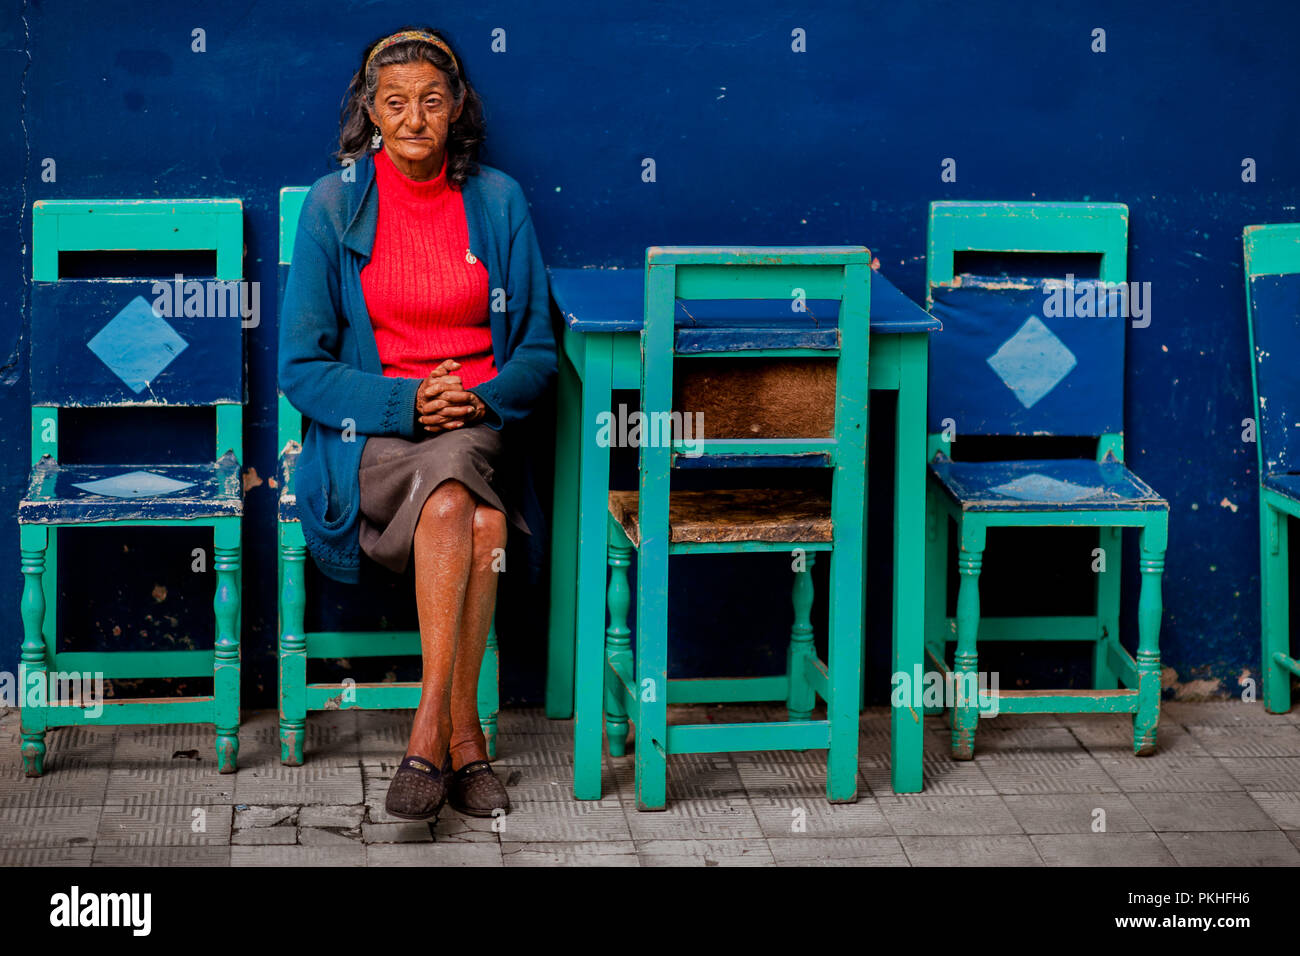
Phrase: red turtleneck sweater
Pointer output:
(427, 297)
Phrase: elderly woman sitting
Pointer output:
(415, 335)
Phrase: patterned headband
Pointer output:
(404, 35)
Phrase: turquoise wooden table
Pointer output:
(602, 311)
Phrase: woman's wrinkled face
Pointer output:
(414, 111)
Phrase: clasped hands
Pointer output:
(442, 404)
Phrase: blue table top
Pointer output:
(611, 300)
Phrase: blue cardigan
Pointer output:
(329, 366)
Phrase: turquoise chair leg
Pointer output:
(936, 589)
(618, 641)
(1152, 566)
(226, 657)
(489, 691)
(799, 703)
(593, 510)
(651, 689)
(843, 666)
(564, 543)
(32, 670)
(965, 711)
(1276, 607)
(1110, 542)
(293, 648)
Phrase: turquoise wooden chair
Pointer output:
(125, 343)
(296, 645)
(1272, 258)
(658, 523)
(1015, 360)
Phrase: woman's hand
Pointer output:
(443, 404)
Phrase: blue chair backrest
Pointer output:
(1027, 355)
(127, 341)
(112, 342)
(1272, 262)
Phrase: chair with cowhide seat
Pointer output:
(815, 428)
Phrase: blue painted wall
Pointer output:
(753, 144)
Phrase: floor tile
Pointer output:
(314, 782)
(689, 777)
(1264, 773)
(71, 778)
(434, 854)
(383, 734)
(353, 855)
(162, 856)
(1075, 813)
(922, 815)
(1282, 808)
(1046, 742)
(704, 853)
(1168, 773)
(1175, 812)
(1229, 713)
(164, 825)
(1102, 849)
(30, 827)
(331, 739)
(73, 856)
(1006, 850)
(1251, 848)
(515, 721)
(265, 836)
(724, 818)
(1269, 740)
(1045, 773)
(537, 783)
(572, 822)
(1111, 735)
(845, 851)
(616, 853)
(815, 817)
(792, 774)
(151, 783)
(942, 775)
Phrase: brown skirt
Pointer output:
(397, 476)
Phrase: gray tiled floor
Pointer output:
(1053, 790)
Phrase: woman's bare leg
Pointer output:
(467, 743)
(443, 548)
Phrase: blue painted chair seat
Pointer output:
(1066, 485)
(67, 494)
(1288, 485)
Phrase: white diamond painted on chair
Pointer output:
(1032, 362)
(1037, 487)
(136, 484)
(137, 344)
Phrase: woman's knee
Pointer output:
(489, 531)
(450, 503)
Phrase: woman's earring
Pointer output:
(377, 139)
